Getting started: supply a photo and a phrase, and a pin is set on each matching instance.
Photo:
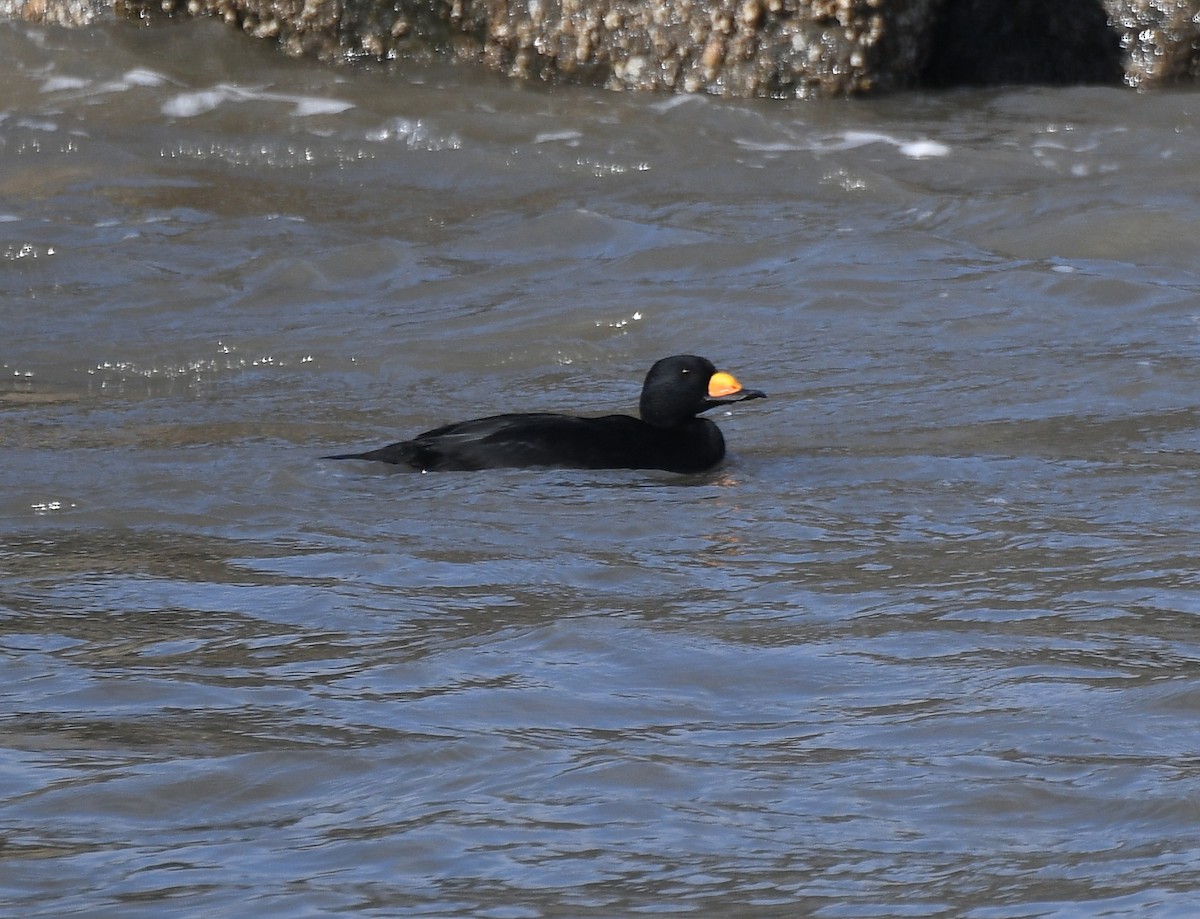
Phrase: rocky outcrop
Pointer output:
(785, 48)
(1160, 40)
(985, 43)
(56, 12)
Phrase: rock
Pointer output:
(985, 43)
(1160, 40)
(56, 12)
(781, 48)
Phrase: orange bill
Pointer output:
(723, 384)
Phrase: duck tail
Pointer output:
(397, 454)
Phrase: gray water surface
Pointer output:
(926, 645)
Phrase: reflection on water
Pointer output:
(923, 646)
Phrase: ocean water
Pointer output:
(927, 644)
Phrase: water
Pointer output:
(926, 645)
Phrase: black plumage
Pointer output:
(668, 435)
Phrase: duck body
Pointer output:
(668, 435)
(560, 441)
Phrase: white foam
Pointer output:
(550, 137)
(140, 76)
(198, 102)
(414, 134)
(674, 101)
(852, 139)
(923, 149)
(58, 84)
(917, 149)
(309, 105)
(37, 124)
(772, 146)
(189, 105)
